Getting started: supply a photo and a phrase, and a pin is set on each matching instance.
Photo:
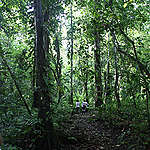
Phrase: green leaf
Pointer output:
(125, 5)
(72, 138)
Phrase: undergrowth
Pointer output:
(133, 122)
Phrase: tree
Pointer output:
(71, 57)
(98, 65)
(41, 94)
(58, 68)
(116, 71)
(107, 75)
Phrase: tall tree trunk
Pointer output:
(42, 98)
(41, 93)
(117, 79)
(108, 78)
(116, 71)
(46, 40)
(71, 59)
(86, 87)
(58, 69)
(98, 79)
(86, 79)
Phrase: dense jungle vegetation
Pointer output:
(54, 53)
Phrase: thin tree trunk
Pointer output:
(71, 59)
(143, 70)
(86, 85)
(16, 84)
(141, 66)
(108, 77)
(116, 71)
(58, 70)
(147, 104)
(98, 79)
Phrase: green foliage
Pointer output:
(61, 113)
(10, 147)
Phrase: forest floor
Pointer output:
(90, 131)
(87, 132)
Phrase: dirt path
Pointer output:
(90, 132)
(86, 132)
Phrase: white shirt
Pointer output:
(84, 104)
(77, 104)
